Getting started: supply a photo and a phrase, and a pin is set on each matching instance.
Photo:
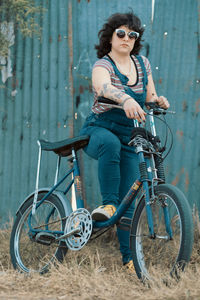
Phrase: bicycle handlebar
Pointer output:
(157, 110)
(152, 106)
(107, 101)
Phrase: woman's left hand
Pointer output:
(163, 102)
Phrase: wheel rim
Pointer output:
(158, 254)
(31, 255)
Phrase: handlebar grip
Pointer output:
(106, 100)
(152, 105)
(157, 110)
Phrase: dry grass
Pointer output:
(95, 273)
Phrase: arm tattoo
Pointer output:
(113, 93)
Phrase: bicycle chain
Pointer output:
(62, 219)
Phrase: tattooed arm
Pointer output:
(102, 84)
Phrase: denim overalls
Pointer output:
(109, 134)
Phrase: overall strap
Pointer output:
(123, 78)
(145, 78)
(140, 98)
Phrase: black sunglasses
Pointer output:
(132, 34)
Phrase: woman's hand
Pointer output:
(133, 110)
(152, 95)
(163, 102)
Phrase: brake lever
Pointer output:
(155, 107)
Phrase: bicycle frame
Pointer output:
(139, 185)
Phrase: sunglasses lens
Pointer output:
(133, 35)
(120, 33)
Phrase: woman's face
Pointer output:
(122, 45)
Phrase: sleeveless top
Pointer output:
(143, 69)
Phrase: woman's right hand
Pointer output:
(133, 110)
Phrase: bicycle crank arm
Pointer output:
(66, 235)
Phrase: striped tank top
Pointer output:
(137, 87)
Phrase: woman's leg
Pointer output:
(129, 171)
(106, 147)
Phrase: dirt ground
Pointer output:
(94, 273)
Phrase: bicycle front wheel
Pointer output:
(29, 253)
(162, 255)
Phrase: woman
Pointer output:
(123, 76)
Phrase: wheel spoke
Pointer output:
(27, 252)
(162, 253)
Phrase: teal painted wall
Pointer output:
(48, 93)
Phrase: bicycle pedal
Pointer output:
(45, 238)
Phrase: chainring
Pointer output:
(79, 218)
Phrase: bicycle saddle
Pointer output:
(64, 148)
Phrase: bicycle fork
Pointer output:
(144, 179)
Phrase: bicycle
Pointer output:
(161, 231)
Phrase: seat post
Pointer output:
(77, 181)
(37, 178)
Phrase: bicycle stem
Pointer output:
(152, 123)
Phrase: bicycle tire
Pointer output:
(162, 256)
(27, 254)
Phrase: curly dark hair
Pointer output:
(115, 21)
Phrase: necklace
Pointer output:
(121, 69)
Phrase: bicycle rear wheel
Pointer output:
(29, 254)
(162, 255)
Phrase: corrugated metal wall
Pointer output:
(49, 92)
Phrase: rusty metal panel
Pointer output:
(46, 91)
(35, 102)
(176, 62)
